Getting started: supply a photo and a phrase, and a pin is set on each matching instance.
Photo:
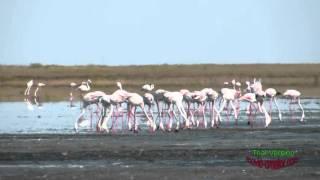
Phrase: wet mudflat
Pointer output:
(189, 154)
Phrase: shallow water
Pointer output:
(58, 117)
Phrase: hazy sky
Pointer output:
(119, 32)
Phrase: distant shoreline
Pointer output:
(13, 78)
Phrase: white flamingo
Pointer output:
(272, 93)
(29, 85)
(148, 100)
(105, 101)
(158, 98)
(228, 97)
(85, 86)
(38, 88)
(148, 87)
(175, 98)
(187, 98)
(252, 99)
(73, 86)
(294, 95)
(200, 97)
(212, 96)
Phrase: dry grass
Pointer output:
(304, 77)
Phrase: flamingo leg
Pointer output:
(267, 116)
(275, 102)
(302, 116)
(169, 125)
(135, 122)
(234, 110)
(106, 119)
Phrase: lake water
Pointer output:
(58, 117)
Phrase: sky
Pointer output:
(127, 32)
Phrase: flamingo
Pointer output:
(72, 85)
(29, 85)
(248, 89)
(117, 98)
(158, 98)
(134, 101)
(175, 98)
(271, 93)
(212, 96)
(148, 87)
(105, 101)
(294, 95)
(38, 88)
(200, 97)
(228, 97)
(84, 88)
(88, 99)
(252, 99)
(148, 100)
(187, 98)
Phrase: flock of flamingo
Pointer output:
(187, 104)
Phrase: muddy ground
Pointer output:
(188, 154)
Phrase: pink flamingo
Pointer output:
(294, 95)
(88, 99)
(212, 96)
(200, 97)
(134, 101)
(272, 93)
(187, 98)
(105, 101)
(252, 99)
(148, 100)
(158, 98)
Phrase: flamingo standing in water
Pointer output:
(294, 95)
(29, 85)
(38, 88)
(134, 101)
(88, 99)
(84, 88)
(252, 99)
(228, 97)
(272, 93)
(171, 99)
(36, 98)
(72, 85)
(200, 97)
(212, 96)
(187, 98)
(105, 101)
(148, 98)
(158, 98)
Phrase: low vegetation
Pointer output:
(304, 77)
